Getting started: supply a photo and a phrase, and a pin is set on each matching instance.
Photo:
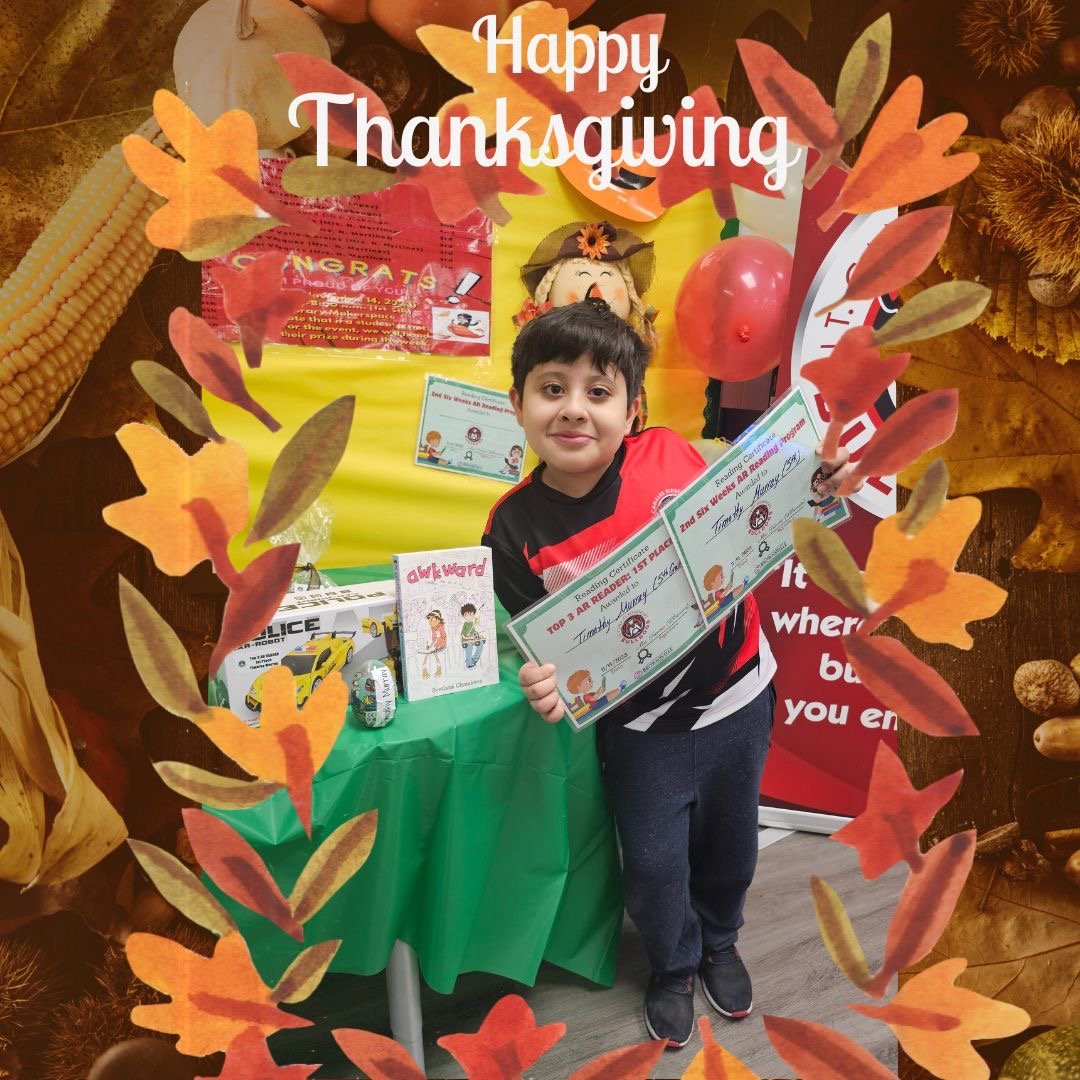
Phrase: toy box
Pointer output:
(312, 634)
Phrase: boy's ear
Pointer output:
(515, 400)
(633, 412)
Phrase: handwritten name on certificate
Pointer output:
(732, 526)
(616, 628)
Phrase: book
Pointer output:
(446, 608)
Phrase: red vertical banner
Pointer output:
(827, 725)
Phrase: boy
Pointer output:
(682, 759)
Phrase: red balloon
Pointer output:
(731, 307)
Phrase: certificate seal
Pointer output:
(759, 518)
(633, 627)
(474, 435)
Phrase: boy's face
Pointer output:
(575, 418)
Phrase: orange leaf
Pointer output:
(900, 163)
(713, 1062)
(508, 1042)
(236, 869)
(942, 615)
(896, 815)
(215, 999)
(218, 472)
(946, 1050)
(627, 1063)
(820, 1053)
(380, 1058)
(249, 1056)
(925, 906)
(903, 683)
(202, 210)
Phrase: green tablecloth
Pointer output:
(494, 851)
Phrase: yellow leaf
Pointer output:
(935, 1021)
(713, 1062)
(1018, 428)
(22, 810)
(218, 473)
(940, 615)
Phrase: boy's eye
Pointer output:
(553, 389)
(600, 392)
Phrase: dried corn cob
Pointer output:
(69, 289)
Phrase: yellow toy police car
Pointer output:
(310, 663)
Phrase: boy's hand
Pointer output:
(841, 470)
(541, 690)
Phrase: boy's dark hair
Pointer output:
(468, 607)
(589, 328)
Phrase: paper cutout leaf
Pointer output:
(313, 74)
(829, 563)
(935, 311)
(677, 181)
(946, 1050)
(156, 519)
(249, 1057)
(819, 1052)
(935, 603)
(256, 301)
(160, 658)
(917, 426)
(303, 468)
(903, 683)
(380, 1058)
(782, 91)
(927, 498)
(896, 815)
(713, 1062)
(898, 255)
(1018, 429)
(508, 1042)
(310, 180)
(303, 975)
(338, 857)
(286, 748)
(220, 792)
(862, 78)
(237, 869)
(281, 212)
(839, 935)
(182, 888)
(215, 999)
(901, 163)
(196, 196)
(925, 906)
(974, 250)
(169, 392)
(627, 1063)
(854, 375)
(213, 364)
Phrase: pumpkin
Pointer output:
(402, 18)
(224, 59)
(342, 11)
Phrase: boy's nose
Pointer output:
(573, 406)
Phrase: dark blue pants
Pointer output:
(686, 807)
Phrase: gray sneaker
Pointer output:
(726, 983)
(669, 1009)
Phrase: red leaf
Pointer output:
(783, 91)
(627, 1063)
(925, 906)
(903, 683)
(311, 74)
(916, 427)
(249, 1056)
(457, 190)
(853, 375)
(899, 253)
(255, 593)
(678, 181)
(237, 870)
(212, 363)
(819, 1053)
(256, 301)
(896, 815)
(906, 1016)
(508, 1042)
(380, 1058)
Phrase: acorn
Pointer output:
(1049, 290)
(1046, 687)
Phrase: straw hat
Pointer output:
(597, 241)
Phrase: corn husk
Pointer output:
(37, 760)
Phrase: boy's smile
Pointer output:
(575, 418)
